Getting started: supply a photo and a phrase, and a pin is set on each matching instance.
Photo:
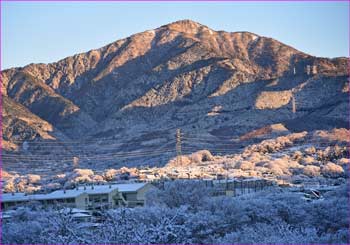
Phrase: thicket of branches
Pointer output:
(185, 212)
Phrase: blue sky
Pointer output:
(42, 32)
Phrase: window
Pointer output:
(70, 200)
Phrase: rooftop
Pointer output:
(72, 193)
(20, 196)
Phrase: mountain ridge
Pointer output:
(180, 75)
(151, 30)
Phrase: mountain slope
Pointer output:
(19, 124)
(138, 90)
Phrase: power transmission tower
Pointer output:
(178, 147)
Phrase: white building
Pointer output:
(69, 198)
(85, 197)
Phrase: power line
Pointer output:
(121, 154)
(112, 158)
(89, 147)
(219, 146)
(185, 143)
(84, 149)
(115, 142)
(65, 143)
(99, 140)
(134, 153)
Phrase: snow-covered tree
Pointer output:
(178, 193)
(280, 233)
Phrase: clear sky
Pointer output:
(42, 32)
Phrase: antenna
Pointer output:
(178, 147)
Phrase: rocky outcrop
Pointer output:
(273, 99)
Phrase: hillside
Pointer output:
(121, 104)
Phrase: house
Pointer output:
(67, 198)
(114, 195)
(93, 197)
(97, 196)
(134, 194)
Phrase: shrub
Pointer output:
(332, 170)
(312, 171)
(110, 174)
(308, 160)
(9, 186)
(245, 165)
(33, 178)
(202, 156)
(343, 161)
(311, 150)
(278, 167)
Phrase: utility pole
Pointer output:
(75, 162)
(226, 179)
(294, 107)
(178, 147)
(308, 69)
(25, 146)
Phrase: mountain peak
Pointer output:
(184, 22)
(185, 25)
